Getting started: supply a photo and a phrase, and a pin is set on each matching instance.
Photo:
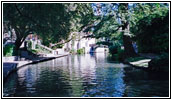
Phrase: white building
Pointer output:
(83, 43)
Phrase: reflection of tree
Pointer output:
(26, 80)
(52, 83)
(141, 83)
(75, 77)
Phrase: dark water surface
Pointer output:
(84, 76)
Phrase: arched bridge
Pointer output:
(95, 46)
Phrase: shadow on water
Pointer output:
(84, 76)
(145, 84)
(9, 87)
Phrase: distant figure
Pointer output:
(92, 54)
(39, 42)
(135, 47)
(92, 49)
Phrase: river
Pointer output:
(84, 76)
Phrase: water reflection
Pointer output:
(83, 76)
(106, 84)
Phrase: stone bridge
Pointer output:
(95, 46)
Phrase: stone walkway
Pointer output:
(141, 63)
(144, 62)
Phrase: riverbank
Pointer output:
(150, 62)
(138, 62)
(11, 66)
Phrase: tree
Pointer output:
(82, 19)
(129, 50)
(50, 21)
(151, 27)
(114, 25)
(123, 21)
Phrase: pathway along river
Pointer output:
(84, 76)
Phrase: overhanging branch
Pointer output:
(29, 18)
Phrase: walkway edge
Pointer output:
(137, 67)
(34, 62)
(41, 60)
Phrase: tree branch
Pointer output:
(60, 43)
(91, 25)
(18, 10)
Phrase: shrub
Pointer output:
(113, 50)
(34, 51)
(29, 44)
(81, 51)
(8, 50)
(118, 54)
(58, 46)
(153, 37)
(37, 46)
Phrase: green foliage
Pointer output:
(51, 21)
(132, 59)
(81, 51)
(34, 51)
(115, 46)
(37, 46)
(107, 27)
(30, 45)
(82, 16)
(151, 28)
(57, 46)
(156, 36)
(113, 49)
(118, 55)
(104, 43)
(8, 50)
(160, 64)
(40, 49)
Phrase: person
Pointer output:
(91, 49)
(135, 47)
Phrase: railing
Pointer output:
(47, 48)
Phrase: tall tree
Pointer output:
(128, 47)
(82, 19)
(50, 21)
(114, 24)
(150, 25)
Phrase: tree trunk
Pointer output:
(127, 42)
(17, 46)
(128, 47)
(18, 43)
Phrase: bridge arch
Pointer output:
(94, 47)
